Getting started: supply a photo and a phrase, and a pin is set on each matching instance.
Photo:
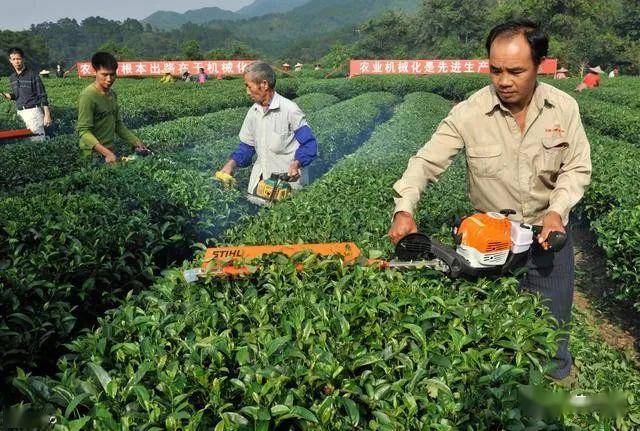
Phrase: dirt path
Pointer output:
(617, 322)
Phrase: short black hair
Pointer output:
(104, 60)
(534, 35)
(15, 50)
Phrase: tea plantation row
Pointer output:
(614, 133)
(328, 348)
(21, 163)
(142, 102)
(90, 237)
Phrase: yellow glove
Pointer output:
(225, 178)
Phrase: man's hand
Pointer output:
(47, 118)
(225, 178)
(141, 149)
(110, 158)
(294, 170)
(403, 224)
(552, 222)
(6, 96)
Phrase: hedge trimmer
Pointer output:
(138, 153)
(273, 189)
(485, 244)
(15, 134)
(270, 190)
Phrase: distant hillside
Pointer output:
(264, 7)
(167, 20)
(277, 33)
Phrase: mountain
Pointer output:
(167, 20)
(264, 7)
(275, 34)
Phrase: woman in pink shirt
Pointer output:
(202, 77)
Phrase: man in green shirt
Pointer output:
(99, 119)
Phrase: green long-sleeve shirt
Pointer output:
(99, 121)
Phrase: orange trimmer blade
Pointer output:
(225, 260)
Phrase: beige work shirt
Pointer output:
(271, 132)
(544, 169)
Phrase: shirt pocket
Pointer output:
(279, 142)
(485, 161)
(553, 152)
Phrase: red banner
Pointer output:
(155, 68)
(431, 67)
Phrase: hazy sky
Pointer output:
(20, 14)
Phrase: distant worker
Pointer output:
(167, 78)
(99, 119)
(202, 77)
(591, 79)
(297, 67)
(275, 130)
(29, 95)
(614, 72)
(561, 73)
(186, 76)
(59, 71)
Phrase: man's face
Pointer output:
(105, 78)
(16, 61)
(513, 72)
(257, 91)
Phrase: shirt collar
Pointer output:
(540, 99)
(274, 104)
(24, 71)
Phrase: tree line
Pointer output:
(593, 32)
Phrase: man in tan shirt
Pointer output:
(526, 150)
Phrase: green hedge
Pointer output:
(336, 347)
(25, 163)
(146, 101)
(315, 101)
(611, 204)
(450, 86)
(90, 237)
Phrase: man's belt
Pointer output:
(22, 108)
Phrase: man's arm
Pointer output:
(85, 124)
(245, 150)
(424, 168)
(428, 164)
(124, 133)
(11, 95)
(575, 171)
(307, 150)
(43, 101)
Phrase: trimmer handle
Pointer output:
(284, 176)
(144, 152)
(555, 241)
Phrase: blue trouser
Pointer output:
(551, 275)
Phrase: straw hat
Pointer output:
(596, 69)
(562, 70)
